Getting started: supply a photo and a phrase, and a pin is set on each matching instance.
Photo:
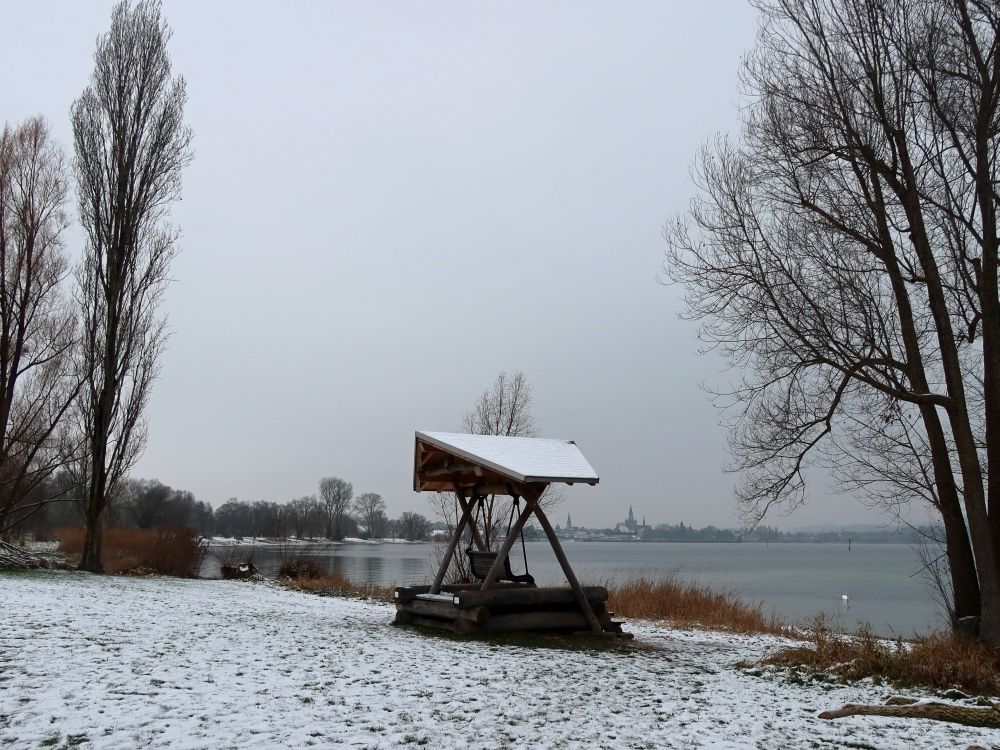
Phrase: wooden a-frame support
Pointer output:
(531, 493)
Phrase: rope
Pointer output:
(477, 514)
(516, 505)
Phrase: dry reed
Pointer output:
(336, 584)
(172, 551)
(680, 603)
(941, 660)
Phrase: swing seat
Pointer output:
(480, 562)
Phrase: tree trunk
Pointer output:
(961, 564)
(92, 543)
(910, 708)
(973, 476)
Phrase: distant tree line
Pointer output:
(683, 533)
(148, 503)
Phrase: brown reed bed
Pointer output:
(941, 661)
(171, 551)
(671, 600)
(336, 584)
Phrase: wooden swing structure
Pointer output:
(474, 467)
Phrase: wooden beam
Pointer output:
(445, 611)
(521, 595)
(480, 544)
(537, 621)
(581, 598)
(450, 468)
(450, 551)
(493, 489)
(403, 594)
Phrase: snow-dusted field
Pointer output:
(89, 661)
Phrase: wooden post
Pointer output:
(480, 544)
(449, 553)
(497, 567)
(574, 584)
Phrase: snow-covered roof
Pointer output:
(522, 459)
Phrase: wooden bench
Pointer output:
(480, 562)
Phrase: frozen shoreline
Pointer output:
(159, 662)
(223, 541)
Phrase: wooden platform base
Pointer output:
(504, 608)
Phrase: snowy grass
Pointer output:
(116, 662)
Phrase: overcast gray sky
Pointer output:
(391, 202)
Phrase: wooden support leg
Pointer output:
(450, 551)
(480, 544)
(497, 568)
(574, 584)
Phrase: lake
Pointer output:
(797, 581)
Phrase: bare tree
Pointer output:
(335, 494)
(37, 325)
(131, 147)
(413, 526)
(305, 516)
(370, 508)
(145, 502)
(502, 409)
(842, 255)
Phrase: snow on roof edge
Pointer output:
(518, 457)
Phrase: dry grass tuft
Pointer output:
(682, 603)
(171, 551)
(299, 562)
(942, 660)
(335, 584)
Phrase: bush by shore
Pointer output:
(171, 551)
(941, 661)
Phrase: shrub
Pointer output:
(689, 604)
(297, 562)
(167, 550)
(236, 562)
(941, 660)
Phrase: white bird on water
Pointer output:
(845, 597)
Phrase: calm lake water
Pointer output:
(797, 581)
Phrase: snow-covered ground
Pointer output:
(114, 662)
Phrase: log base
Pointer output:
(465, 609)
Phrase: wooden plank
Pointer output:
(526, 596)
(581, 598)
(405, 594)
(450, 551)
